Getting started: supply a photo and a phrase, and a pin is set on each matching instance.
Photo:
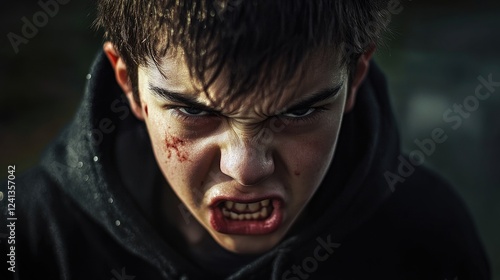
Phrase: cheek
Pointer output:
(169, 147)
(170, 150)
(175, 146)
(307, 158)
(184, 162)
(313, 151)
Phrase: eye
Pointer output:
(191, 111)
(299, 113)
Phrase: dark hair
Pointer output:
(260, 42)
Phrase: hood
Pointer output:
(87, 162)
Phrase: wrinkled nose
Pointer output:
(247, 162)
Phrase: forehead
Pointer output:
(319, 70)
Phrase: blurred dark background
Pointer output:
(433, 58)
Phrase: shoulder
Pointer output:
(37, 200)
(428, 217)
(429, 202)
(52, 234)
(34, 188)
(422, 231)
(27, 188)
(28, 209)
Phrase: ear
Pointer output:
(362, 66)
(122, 77)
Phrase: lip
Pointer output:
(246, 227)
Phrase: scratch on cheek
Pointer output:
(175, 145)
(297, 173)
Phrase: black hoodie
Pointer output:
(89, 209)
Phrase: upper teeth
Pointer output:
(240, 206)
(247, 211)
(250, 207)
(253, 206)
(262, 214)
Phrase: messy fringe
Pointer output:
(260, 42)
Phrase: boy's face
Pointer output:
(245, 169)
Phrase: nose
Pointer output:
(247, 162)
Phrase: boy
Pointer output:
(238, 140)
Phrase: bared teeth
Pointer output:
(265, 202)
(247, 211)
(240, 206)
(253, 206)
(229, 204)
(225, 212)
(263, 212)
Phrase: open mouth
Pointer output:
(259, 210)
(247, 218)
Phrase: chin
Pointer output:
(248, 244)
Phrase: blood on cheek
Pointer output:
(175, 146)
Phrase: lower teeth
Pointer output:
(262, 214)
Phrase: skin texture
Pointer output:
(252, 148)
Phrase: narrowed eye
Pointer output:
(299, 113)
(191, 111)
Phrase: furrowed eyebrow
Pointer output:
(192, 102)
(319, 96)
(179, 98)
